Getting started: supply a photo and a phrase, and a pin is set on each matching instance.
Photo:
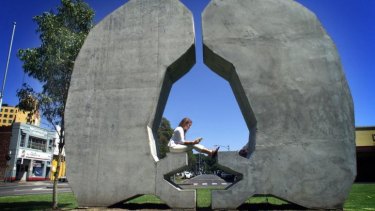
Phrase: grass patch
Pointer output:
(362, 197)
(37, 202)
(146, 199)
(203, 198)
(265, 200)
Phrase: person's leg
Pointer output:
(178, 148)
(201, 148)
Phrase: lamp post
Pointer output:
(6, 68)
(226, 147)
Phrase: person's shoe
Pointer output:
(214, 153)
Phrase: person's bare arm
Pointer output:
(196, 141)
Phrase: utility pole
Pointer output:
(6, 68)
(226, 147)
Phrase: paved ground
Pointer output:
(27, 188)
(205, 180)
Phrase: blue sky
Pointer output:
(202, 95)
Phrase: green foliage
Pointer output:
(361, 197)
(208, 164)
(165, 133)
(62, 34)
(37, 202)
(192, 161)
(28, 100)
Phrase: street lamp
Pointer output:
(6, 68)
(226, 147)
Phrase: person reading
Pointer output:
(177, 143)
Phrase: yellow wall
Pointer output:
(10, 114)
(364, 136)
(54, 168)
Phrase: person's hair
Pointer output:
(184, 122)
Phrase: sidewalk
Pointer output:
(32, 183)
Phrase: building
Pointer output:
(31, 152)
(10, 114)
(5, 134)
(365, 142)
(62, 173)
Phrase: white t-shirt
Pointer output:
(178, 137)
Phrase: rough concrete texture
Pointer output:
(288, 81)
(119, 87)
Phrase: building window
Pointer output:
(5, 115)
(11, 110)
(6, 110)
(11, 116)
(38, 168)
(1, 115)
(10, 121)
(4, 121)
(50, 145)
(37, 143)
(23, 140)
(373, 137)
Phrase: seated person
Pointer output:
(179, 144)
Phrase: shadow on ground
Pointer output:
(30, 205)
(266, 206)
(260, 206)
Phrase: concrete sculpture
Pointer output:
(119, 88)
(288, 81)
(282, 67)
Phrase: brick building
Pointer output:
(5, 136)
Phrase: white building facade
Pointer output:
(31, 150)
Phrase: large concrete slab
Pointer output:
(119, 87)
(288, 80)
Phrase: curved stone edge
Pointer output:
(172, 195)
(235, 195)
(125, 185)
(174, 72)
(347, 169)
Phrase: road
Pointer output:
(204, 181)
(27, 188)
(45, 187)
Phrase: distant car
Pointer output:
(188, 174)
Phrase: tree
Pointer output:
(210, 164)
(62, 34)
(28, 102)
(165, 133)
